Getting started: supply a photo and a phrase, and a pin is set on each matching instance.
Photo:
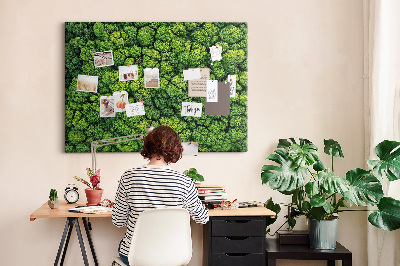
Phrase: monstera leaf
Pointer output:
(304, 155)
(276, 208)
(331, 183)
(364, 188)
(333, 146)
(388, 153)
(388, 216)
(286, 177)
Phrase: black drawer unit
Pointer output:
(234, 241)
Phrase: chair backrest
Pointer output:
(161, 237)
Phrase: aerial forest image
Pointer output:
(122, 77)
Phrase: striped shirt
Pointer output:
(151, 187)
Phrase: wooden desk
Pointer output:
(304, 252)
(235, 237)
(247, 221)
(72, 219)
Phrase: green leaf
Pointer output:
(332, 146)
(388, 153)
(311, 188)
(388, 216)
(292, 222)
(317, 213)
(284, 143)
(306, 206)
(287, 176)
(320, 201)
(304, 155)
(332, 183)
(364, 188)
(276, 208)
(319, 166)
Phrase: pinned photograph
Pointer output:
(121, 100)
(151, 78)
(107, 106)
(128, 73)
(102, 59)
(135, 109)
(87, 83)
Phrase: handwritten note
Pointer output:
(232, 87)
(198, 87)
(212, 91)
(191, 109)
(216, 53)
(135, 109)
(191, 73)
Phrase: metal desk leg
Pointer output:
(67, 226)
(90, 241)
(331, 263)
(66, 243)
(78, 232)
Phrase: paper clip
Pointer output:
(88, 74)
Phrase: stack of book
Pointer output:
(211, 194)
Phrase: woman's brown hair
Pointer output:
(163, 142)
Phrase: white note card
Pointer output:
(193, 73)
(232, 86)
(212, 91)
(216, 53)
(191, 109)
(190, 148)
(135, 109)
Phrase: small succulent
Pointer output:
(53, 195)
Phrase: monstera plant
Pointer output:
(320, 194)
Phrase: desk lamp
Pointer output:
(104, 142)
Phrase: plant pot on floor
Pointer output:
(93, 196)
(323, 234)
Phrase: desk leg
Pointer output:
(90, 241)
(67, 226)
(331, 263)
(66, 243)
(346, 262)
(78, 232)
(271, 262)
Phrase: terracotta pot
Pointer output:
(93, 196)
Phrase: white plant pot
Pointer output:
(54, 204)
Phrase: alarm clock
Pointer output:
(71, 194)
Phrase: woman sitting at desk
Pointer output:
(155, 185)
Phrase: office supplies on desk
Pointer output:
(90, 209)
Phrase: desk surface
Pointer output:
(62, 212)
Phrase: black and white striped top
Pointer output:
(151, 187)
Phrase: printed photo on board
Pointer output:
(87, 83)
(121, 100)
(107, 106)
(128, 73)
(151, 78)
(102, 59)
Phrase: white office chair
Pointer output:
(162, 237)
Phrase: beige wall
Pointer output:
(305, 80)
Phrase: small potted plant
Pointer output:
(93, 193)
(194, 175)
(53, 201)
(320, 194)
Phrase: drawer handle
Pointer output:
(237, 221)
(236, 237)
(237, 254)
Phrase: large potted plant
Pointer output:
(320, 194)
